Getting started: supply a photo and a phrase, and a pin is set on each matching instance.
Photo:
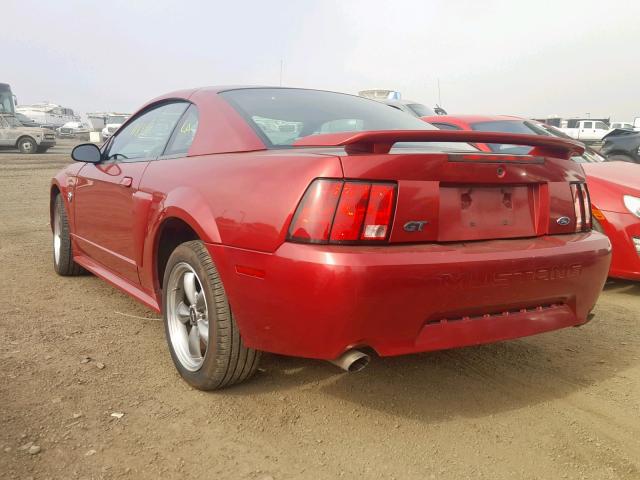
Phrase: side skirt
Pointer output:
(127, 287)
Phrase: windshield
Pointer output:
(23, 118)
(506, 126)
(280, 116)
(421, 110)
(6, 101)
(116, 119)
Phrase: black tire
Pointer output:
(620, 157)
(63, 263)
(226, 360)
(27, 145)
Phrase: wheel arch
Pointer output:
(26, 136)
(172, 232)
(163, 221)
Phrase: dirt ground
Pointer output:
(560, 405)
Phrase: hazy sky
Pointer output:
(511, 57)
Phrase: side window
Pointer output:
(184, 133)
(3, 123)
(587, 125)
(601, 126)
(145, 137)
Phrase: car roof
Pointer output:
(187, 93)
(233, 133)
(473, 118)
(402, 101)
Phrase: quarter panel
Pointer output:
(244, 200)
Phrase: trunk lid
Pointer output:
(450, 196)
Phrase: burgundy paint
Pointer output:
(608, 182)
(319, 300)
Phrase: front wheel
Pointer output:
(27, 145)
(204, 340)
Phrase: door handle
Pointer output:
(126, 181)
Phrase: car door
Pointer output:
(586, 130)
(103, 201)
(4, 132)
(599, 130)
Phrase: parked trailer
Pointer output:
(49, 115)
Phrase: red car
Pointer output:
(324, 225)
(614, 187)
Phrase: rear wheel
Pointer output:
(27, 145)
(62, 253)
(204, 340)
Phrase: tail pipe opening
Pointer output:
(352, 361)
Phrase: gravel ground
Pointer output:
(88, 390)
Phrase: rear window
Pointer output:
(280, 116)
(506, 126)
(421, 110)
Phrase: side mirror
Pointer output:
(87, 153)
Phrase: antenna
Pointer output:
(281, 69)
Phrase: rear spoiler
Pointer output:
(381, 141)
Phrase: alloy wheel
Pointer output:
(57, 241)
(187, 316)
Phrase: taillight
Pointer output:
(582, 206)
(351, 211)
(336, 211)
(377, 223)
(312, 220)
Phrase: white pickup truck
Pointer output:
(588, 131)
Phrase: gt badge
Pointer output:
(415, 226)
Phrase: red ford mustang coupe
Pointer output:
(325, 225)
(614, 187)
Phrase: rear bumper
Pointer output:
(318, 301)
(622, 228)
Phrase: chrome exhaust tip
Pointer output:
(352, 361)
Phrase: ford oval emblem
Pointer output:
(563, 221)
